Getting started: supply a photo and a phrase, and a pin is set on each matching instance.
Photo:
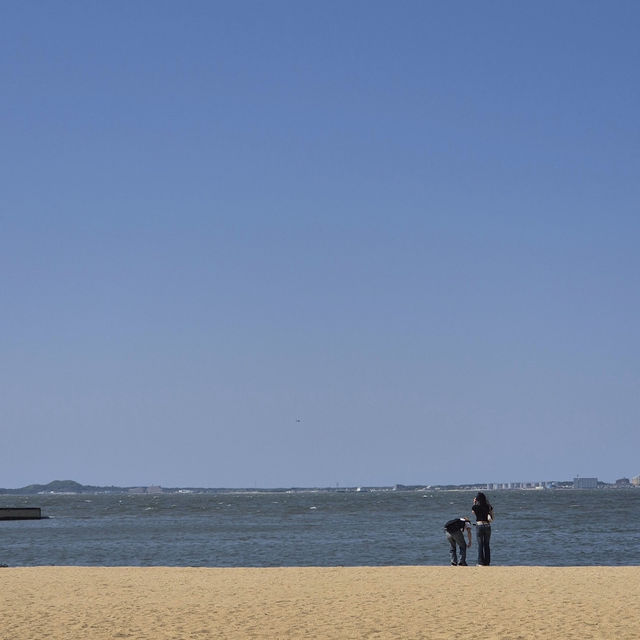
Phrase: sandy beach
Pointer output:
(342, 602)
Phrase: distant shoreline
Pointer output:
(70, 487)
(157, 490)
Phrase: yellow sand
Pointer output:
(383, 602)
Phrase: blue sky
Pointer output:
(294, 244)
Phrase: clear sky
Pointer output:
(318, 243)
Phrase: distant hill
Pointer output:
(61, 486)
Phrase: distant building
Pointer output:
(635, 481)
(585, 483)
(154, 489)
(622, 482)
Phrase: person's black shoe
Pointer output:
(463, 564)
(454, 564)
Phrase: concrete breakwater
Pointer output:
(21, 513)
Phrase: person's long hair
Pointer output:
(481, 498)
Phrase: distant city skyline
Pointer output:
(72, 486)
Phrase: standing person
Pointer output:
(455, 535)
(484, 517)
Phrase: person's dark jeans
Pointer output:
(483, 533)
(457, 538)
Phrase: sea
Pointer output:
(319, 528)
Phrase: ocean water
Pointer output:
(549, 528)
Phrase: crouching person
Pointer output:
(455, 530)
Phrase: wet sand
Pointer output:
(65, 603)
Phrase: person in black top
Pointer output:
(484, 517)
